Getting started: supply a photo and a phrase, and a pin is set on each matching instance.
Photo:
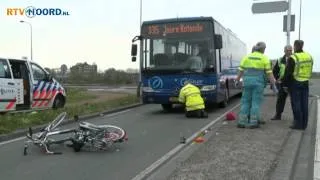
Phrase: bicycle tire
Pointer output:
(57, 121)
(120, 132)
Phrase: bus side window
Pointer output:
(4, 69)
(38, 73)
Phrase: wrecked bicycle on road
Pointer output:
(98, 137)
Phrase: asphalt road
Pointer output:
(152, 133)
(315, 87)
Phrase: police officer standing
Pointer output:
(253, 68)
(190, 95)
(297, 74)
(278, 73)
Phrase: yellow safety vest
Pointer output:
(255, 63)
(303, 66)
(191, 96)
(282, 68)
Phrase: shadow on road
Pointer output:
(179, 109)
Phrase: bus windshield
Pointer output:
(187, 54)
(177, 47)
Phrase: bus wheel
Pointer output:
(166, 107)
(225, 101)
(58, 102)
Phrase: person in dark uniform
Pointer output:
(296, 78)
(278, 73)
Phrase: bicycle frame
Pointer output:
(42, 140)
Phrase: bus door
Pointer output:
(7, 87)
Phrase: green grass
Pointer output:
(74, 94)
(12, 122)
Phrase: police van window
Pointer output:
(4, 69)
(38, 73)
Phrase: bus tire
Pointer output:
(58, 102)
(225, 101)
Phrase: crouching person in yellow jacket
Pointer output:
(190, 95)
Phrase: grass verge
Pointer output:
(12, 122)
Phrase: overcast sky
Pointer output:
(100, 31)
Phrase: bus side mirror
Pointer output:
(134, 48)
(218, 41)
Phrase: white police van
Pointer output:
(25, 85)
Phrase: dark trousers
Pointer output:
(200, 113)
(281, 100)
(299, 93)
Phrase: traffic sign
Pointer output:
(292, 23)
(269, 7)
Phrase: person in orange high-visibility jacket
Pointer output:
(190, 95)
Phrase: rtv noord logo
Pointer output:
(32, 11)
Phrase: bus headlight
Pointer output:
(147, 89)
(208, 88)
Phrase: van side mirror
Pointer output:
(133, 59)
(218, 41)
(134, 48)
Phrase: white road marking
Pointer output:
(11, 141)
(316, 168)
(172, 152)
(117, 113)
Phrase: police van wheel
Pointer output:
(58, 102)
(166, 107)
(225, 101)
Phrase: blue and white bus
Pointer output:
(197, 49)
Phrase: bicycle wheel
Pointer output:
(57, 121)
(114, 133)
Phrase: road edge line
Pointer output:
(316, 165)
(16, 135)
(169, 155)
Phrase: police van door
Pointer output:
(42, 87)
(7, 87)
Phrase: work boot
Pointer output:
(262, 121)
(276, 117)
(204, 114)
(242, 121)
(253, 122)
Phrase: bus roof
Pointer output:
(183, 19)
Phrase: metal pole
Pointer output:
(140, 59)
(300, 19)
(31, 45)
(140, 14)
(31, 42)
(289, 22)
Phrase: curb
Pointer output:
(22, 132)
(288, 156)
(272, 94)
(159, 163)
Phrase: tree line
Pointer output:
(110, 76)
